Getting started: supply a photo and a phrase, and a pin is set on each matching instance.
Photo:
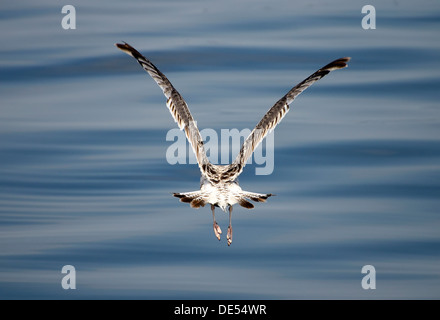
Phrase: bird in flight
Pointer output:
(218, 184)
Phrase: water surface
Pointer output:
(84, 179)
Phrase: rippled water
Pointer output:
(84, 180)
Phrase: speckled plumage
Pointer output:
(219, 185)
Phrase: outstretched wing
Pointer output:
(175, 103)
(276, 114)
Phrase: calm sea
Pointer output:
(84, 180)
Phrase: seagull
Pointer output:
(218, 183)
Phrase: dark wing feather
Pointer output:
(276, 114)
(175, 103)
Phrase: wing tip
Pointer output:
(122, 46)
(337, 64)
(125, 47)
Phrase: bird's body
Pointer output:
(221, 195)
(219, 183)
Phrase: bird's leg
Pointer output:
(217, 230)
(229, 235)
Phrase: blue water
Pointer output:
(84, 179)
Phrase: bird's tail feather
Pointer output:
(195, 198)
(256, 197)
